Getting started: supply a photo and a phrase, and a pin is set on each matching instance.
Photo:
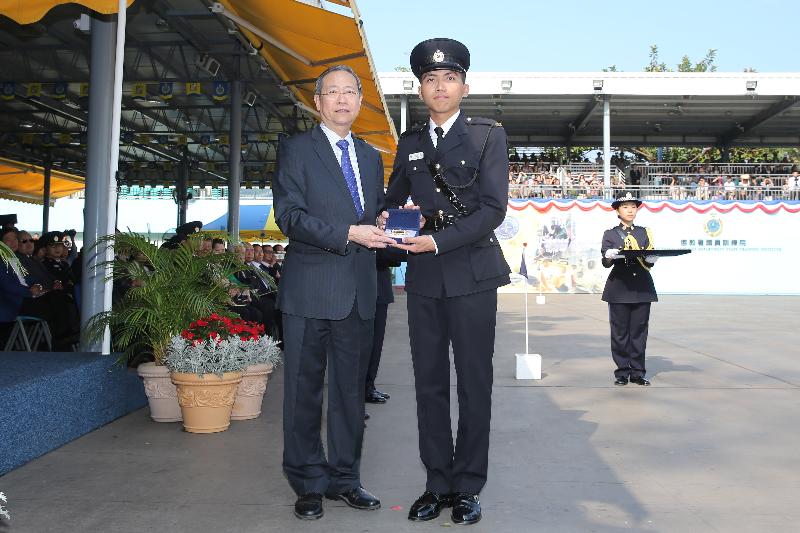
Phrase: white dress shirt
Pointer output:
(446, 127)
(333, 138)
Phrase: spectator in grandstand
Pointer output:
(205, 246)
(767, 189)
(674, 190)
(743, 191)
(17, 297)
(792, 187)
(36, 273)
(629, 290)
(701, 192)
(730, 189)
(55, 258)
(217, 246)
(270, 261)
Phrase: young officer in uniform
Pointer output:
(455, 168)
(629, 290)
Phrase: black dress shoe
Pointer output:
(621, 381)
(382, 394)
(374, 397)
(357, 498)
(309, 507)
(429, 506)
(639, 380)
(366, 416)
(466, 508)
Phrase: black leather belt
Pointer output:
(439, 222)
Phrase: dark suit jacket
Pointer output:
(323, 274)
(469, 258)
(629, 281)
(12, 292)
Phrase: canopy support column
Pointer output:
(235, 163)
(607, 145)
(403, 113)
(48, 167)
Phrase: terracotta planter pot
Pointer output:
(161, 393)
(206, 401)
(251, 392)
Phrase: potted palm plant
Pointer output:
(207, 360)
(167, 289)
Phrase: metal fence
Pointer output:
(652, 192)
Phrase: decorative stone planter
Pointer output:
(161, 393)
(206, 401)
(251, 392)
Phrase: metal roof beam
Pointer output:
(581, 120)
(740, 129)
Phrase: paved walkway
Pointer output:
(712, 446)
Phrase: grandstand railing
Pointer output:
(715, 169)
(652, 192)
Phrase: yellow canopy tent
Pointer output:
(299, 41)
(29, 11)
(25, 182)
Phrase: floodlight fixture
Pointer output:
(408, 85)
(751, 85)
(597, 85)
(505, 85)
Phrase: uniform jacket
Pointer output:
(469, 258)
(36, 271)
(629, 280)
(322, 274)
(60, 270)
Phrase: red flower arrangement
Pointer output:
(218, 328)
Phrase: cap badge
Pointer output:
(438, 56)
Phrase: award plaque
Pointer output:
(402, 223)
(630, 254)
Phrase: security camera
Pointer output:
(83, 23)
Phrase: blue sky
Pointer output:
(581, 35)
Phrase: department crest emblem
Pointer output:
(508, 229)
(438, 56)
(713, 226)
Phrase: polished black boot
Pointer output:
(466, 508)
(357, 498)
(309, 507)
(639, 380)
(428, 506)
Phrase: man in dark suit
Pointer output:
(629, 291)
(327, 194)
(456, 170)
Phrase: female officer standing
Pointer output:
(628, 291)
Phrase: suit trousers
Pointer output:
(629, 325)
(468, 323)
(381, 311)
(309, 346)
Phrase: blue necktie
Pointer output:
(350, 177)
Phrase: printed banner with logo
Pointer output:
(737, 247)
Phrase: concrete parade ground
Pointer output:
(712, 446)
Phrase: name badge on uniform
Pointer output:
(416, 156)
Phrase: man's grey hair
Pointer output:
(335, 68)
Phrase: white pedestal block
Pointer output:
(529, 366)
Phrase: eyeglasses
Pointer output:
(334, 93)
